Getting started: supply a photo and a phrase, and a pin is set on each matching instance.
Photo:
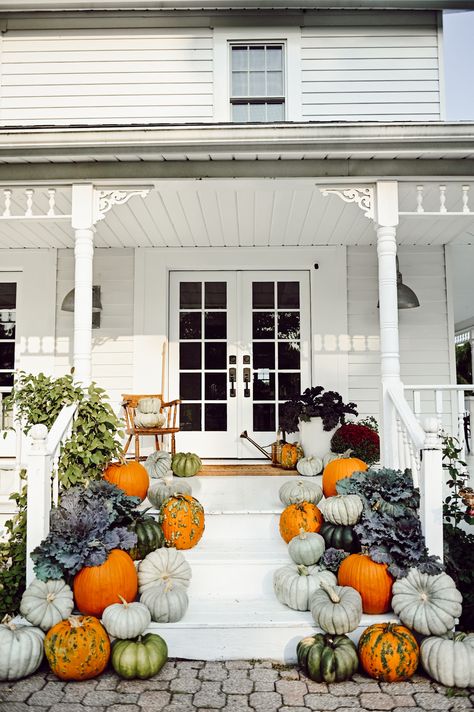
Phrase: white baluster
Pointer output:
(52, 201)
(29, 202)
(460, 435)
(439, 407)
(406, 449)
(8, 201)
(431, 489)
(465, 199)
(419, 199)
(38, 494)
(417, 404)
(414, 464)
(401, 448)
(442, 199)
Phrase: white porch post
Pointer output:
(83, 224)
(386, 227)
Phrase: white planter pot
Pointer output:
(314, 440)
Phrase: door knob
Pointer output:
(246, 374)
(232, 380)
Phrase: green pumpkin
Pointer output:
(149, 537)
(140, 658)
(327, 658)
(338, 536)
(186, 464)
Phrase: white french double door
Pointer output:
(239, 348)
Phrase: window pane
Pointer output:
(215, 295)
(240, 113)
(264, 417)
(7, 324)
(215, 354)
(288, 385)
(289, 325)
(189, 356)
(215, 386)
(289, 354)
(257, 112)
(264, 355)
(274, 84)
(274, 57)
(263, 325)
(263, 295)
(239, 58)
(7, 355)
(288, 295)
(240, 84)
(215, 416)
(263, 384)
(190, 416)
(257, 58)
(275, 112)
(6, 379)
(257, 84)
(215, 325)
(7, 295)
(190, 386)
(190, 325)
(190, 295)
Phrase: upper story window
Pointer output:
(257, 82)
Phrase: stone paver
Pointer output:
(234, 686)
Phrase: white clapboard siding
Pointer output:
(112, 351)
(386, 68)
(106, 76)
(424, 341)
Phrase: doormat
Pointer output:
(243, 471)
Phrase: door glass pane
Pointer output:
(215, 295)
(288, 295)
(215, 325)
(215, 417)
(7, 295)
(288, 325)
(289, 354)
(7, 355)
(264, 355)
(263, 384)
(263, 295)
(289, 385)
(7, 324)
(190, 295)
(264, 417)
(190, 325)
(263, 325)
(215, 354)
(215, 386)
(190, 416)
(190, 386)
(190, 356)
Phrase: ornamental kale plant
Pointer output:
(314, 402)
(390, 528)
(88, 523)
(333, 558)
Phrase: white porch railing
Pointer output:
(419, 448)
(42, 479)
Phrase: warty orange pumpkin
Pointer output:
(77, 648)
(339, 469)
(389, 652)
(131, 477)
(301, 516)
(96, 587)
(182, 521)
(372, 580)
(290, 454)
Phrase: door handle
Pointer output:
(232, 380)
(246, 374)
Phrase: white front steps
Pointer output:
(233, 612)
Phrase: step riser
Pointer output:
(226, 581)
(242, 526)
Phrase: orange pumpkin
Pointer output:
(338, 470)
(372, 580)
(290, 454)
(296, 517)
(182, 521)
(389, 652)
(77, 648)
(131, 477)
(96, 587)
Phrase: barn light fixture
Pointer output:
(406, 297)
(68, 305)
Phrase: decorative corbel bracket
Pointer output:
(106, 199)
(362, 196)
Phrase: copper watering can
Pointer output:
(276, 446)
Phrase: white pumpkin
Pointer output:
(126, 620)
(149, 405)
(45, 603)
(310, 466)
(329, 457)
(21, 650)
(166, 601)
(428, 604)
(163, 565)
(159, 490)
(149, 420)
(292, 492)
(449, 659)
(336, 609)
(306, 548)
(295, 585)
(158, 464)
(342, 509)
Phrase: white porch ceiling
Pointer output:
(240, 212)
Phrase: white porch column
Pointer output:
(83, 224)
(387, 221)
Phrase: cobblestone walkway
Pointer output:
(235, 686)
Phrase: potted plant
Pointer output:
(315, 413)
(361, 438)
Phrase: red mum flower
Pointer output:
(363, 441)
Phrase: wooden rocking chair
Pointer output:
(170, 427)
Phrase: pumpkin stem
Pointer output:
(331, 592)
(303, 533)
(123, 601)
(75, 621)
(50, 597)
(7, 620)
(302, 570)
